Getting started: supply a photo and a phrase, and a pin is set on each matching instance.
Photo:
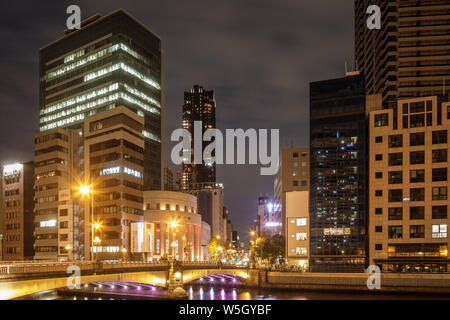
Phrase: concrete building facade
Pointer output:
(408, 186)
(17, 209)
(179, 231)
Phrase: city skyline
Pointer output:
(239, 82)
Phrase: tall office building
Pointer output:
(199, 105)
(114, 163)
(409, 56)
(408, 179)
(111, 61)
(293, 175)
(17, 209)
(338, 156)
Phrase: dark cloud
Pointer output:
(258, 56)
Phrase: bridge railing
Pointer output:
(27, 268)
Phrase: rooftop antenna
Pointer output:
(346, 68)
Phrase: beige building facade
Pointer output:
(178, 228)
(297, 225)
(408, 186)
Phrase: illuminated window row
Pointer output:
(91, 58)
(150, 136)
(73, 56)
(142, 95)
(95, 103)
(88, 96)
(117, 170)
(124, 67)
(75, 100)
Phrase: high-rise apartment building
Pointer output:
(293, 175)
(114, 165)
(17, 210)
(408, 186)
(338, 156)
(199, 105)
(409, 56)
(111, 61)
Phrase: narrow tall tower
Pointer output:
(199, 105)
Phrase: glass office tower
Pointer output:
(338, 175)
(111, 61)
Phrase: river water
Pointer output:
(206, 292)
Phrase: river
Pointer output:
(207, 292)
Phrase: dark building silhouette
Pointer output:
(199, 105)
(338, 204)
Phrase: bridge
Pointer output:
(20, 279)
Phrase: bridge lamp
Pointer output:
(177, 275)
(97, 240)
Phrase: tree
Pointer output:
(215, 249)
(269, 249)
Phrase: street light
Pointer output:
(85, 190)
(68, 248)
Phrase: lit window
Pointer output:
(301, 236)
(439, 231)
(301, 222)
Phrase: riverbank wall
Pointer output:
(351, 282)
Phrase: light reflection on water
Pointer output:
(210, 292)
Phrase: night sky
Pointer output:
(258, 57)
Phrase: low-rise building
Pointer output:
(297, 222)
(178, 228)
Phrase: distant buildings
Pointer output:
(408, 186)
(199, 105)
(17, 210)
(293, 175)
(338, 201)
(210, 199)
(269, 217)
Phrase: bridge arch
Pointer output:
(15, 289)
(192, 275)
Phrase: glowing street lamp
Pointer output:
(85, 190)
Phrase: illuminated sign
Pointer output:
(12, 169)
(336, 231)
(273, 224)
